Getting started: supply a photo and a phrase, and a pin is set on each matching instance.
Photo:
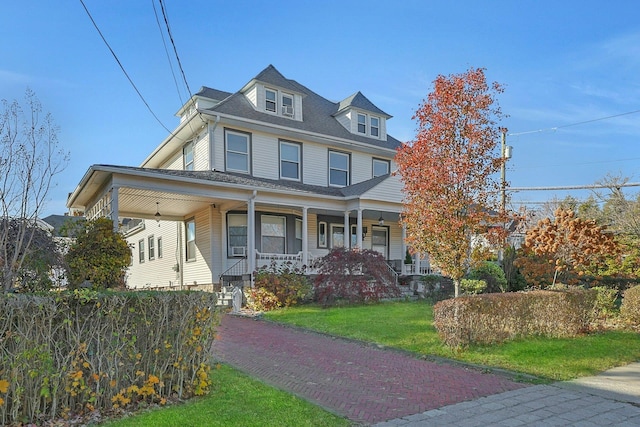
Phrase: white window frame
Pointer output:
(282, 220)
(387, 163)
(298, 234)
(322, 234)
(141, 251)
(228, 151)
(268, 102)
(347, 170)
(376, 127)
(237, 220)
(159, 247)
(151, 247)
(188, 156)
(284, 109)
(298, 161)
(362, 123)
(344, 235)
(190, 239)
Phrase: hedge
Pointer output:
(494, 318)
(630, 308)
(70, 354)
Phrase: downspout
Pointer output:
(211, 130)
(251, 222)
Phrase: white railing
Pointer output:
(294, 260)
(410, 270)
(393, 272)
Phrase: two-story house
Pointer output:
(272, 171)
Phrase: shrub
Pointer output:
(354, 276)
(491, 274)
(472, 287)
(494, 318)
(630, 308)
(261, 299)
(605, 303)
(288, 284)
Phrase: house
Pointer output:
(272, 171)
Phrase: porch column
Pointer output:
(223, 242)
(251, 234)
(404, 246)
(418, 258)
(115, 208)
(305, 238)
(347, 231)
(359, 229)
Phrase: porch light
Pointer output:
(381, 220)
(157, 215)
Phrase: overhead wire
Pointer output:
(122, 67)
(166, 50)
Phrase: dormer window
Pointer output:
(287, 105)
(362, 123)
(270, 100)
(375, 126)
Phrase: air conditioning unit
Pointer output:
(287, 110)
(238, 250)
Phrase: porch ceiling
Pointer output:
(141, 203)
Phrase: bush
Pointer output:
(472, 287)
(260, 299)
(630, 308)
(73, 353)
(494, 318)
(354, 276)
(605, 303)
(289, 285)
(492, 275)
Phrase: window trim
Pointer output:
(322, 234)
(159, 245)
(299, 162)
(282, 105)
(348, 170)
(262, 236)
(141, 258)
(267, 101)
(151, 249)
(188, 256)
(227, 151)
(246, 225)
(363, 123)
(188, 147)
(373, 166)
(372, 127)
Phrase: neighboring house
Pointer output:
(273, 171)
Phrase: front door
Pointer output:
(380, 240)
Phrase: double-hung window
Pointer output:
(362, 123)
(271, 97)
(141, 251)
(237, 151)
(287, 105)
(374, 126)
(187, 156)
(290, 160)
(159, 247)
(152, 249)
(273, 234)
(190, 239)
(237, 235)
(380, 167)
(338, 169)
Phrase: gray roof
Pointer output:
(358, 100)
(58, 221)
(264, 183)
(318, 112)
(215, 94)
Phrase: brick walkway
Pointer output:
(361, 382)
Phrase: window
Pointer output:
(273, 234)
(380, 167)
(289, 160)
(362, 123)
(354, 236)
(298, 241)
(152, 250)
(237, 235)
(322, 234)
(270, 100)
(375, 126)
(190, 239)
(379, 240)
(287, 105)
(187, 156)
(159, 247)
(141, 251)
(338, 169)
(237, 156)
(337, 236)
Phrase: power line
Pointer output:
(122, 67)
(173, 74)
(574, 124)
(175, 50)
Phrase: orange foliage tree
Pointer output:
(569, 246)
(449, 170)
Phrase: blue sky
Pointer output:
(562, 62)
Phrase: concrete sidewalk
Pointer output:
(382, 387)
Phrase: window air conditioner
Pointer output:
(238, 250)
(287, 110)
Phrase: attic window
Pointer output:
(270, 100)
(375, 126)
(287, 105)
(362, 123)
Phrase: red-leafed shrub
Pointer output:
(630, 308)
(494, 318)
(354, 276)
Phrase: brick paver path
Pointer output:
(361, 382)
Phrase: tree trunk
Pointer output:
(456, 288)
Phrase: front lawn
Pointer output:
(409, 326)
(236, 400)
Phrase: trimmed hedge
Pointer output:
(494, 318)
(630, 308)
(70, 354)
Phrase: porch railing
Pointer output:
(410, 269)
(237, 269)
(294, 260)
(393, 272)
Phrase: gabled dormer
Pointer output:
(205, 98)
(270, 92)
(360, 117)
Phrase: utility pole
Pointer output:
(505, 155)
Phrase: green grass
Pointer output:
(409, 326)
(236, 400)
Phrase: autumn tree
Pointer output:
(567, 246)
(30, 159)
(449, 170)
